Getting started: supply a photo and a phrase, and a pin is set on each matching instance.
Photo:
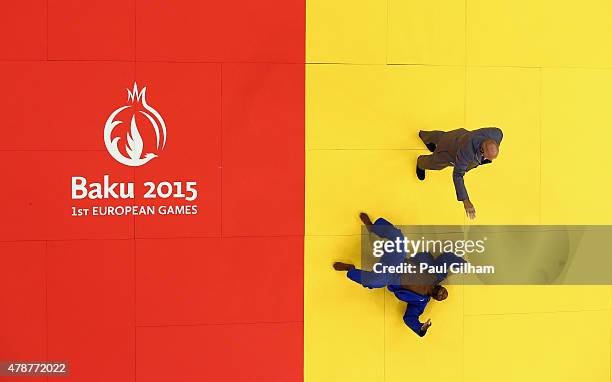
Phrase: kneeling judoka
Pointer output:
(415, 289)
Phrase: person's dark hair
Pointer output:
(439, 293)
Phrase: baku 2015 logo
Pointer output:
(134, 134)
(129, 148)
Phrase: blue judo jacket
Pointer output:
(416, 302)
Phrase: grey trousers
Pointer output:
(438, 159)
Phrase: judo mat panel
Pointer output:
(221, 352)
(575, 116)
(26, 19)
(90, 307)
(95, 30)
(345, 31)
(177, 286)
(428, 33)
(538, 33)
(530, 346)
(504, 299)
(263, 149)
(23, 274)
(220, 31)
(345, 326)
(505, 33)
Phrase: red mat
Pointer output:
(216, 295)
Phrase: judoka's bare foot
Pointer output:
(366, 220)
(343, 266)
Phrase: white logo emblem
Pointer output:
(134, 144)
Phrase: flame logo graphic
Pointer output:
(134, 144)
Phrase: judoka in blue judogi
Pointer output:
(414, 289)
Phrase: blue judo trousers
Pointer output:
(370, 279)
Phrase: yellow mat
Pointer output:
(380, 70)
